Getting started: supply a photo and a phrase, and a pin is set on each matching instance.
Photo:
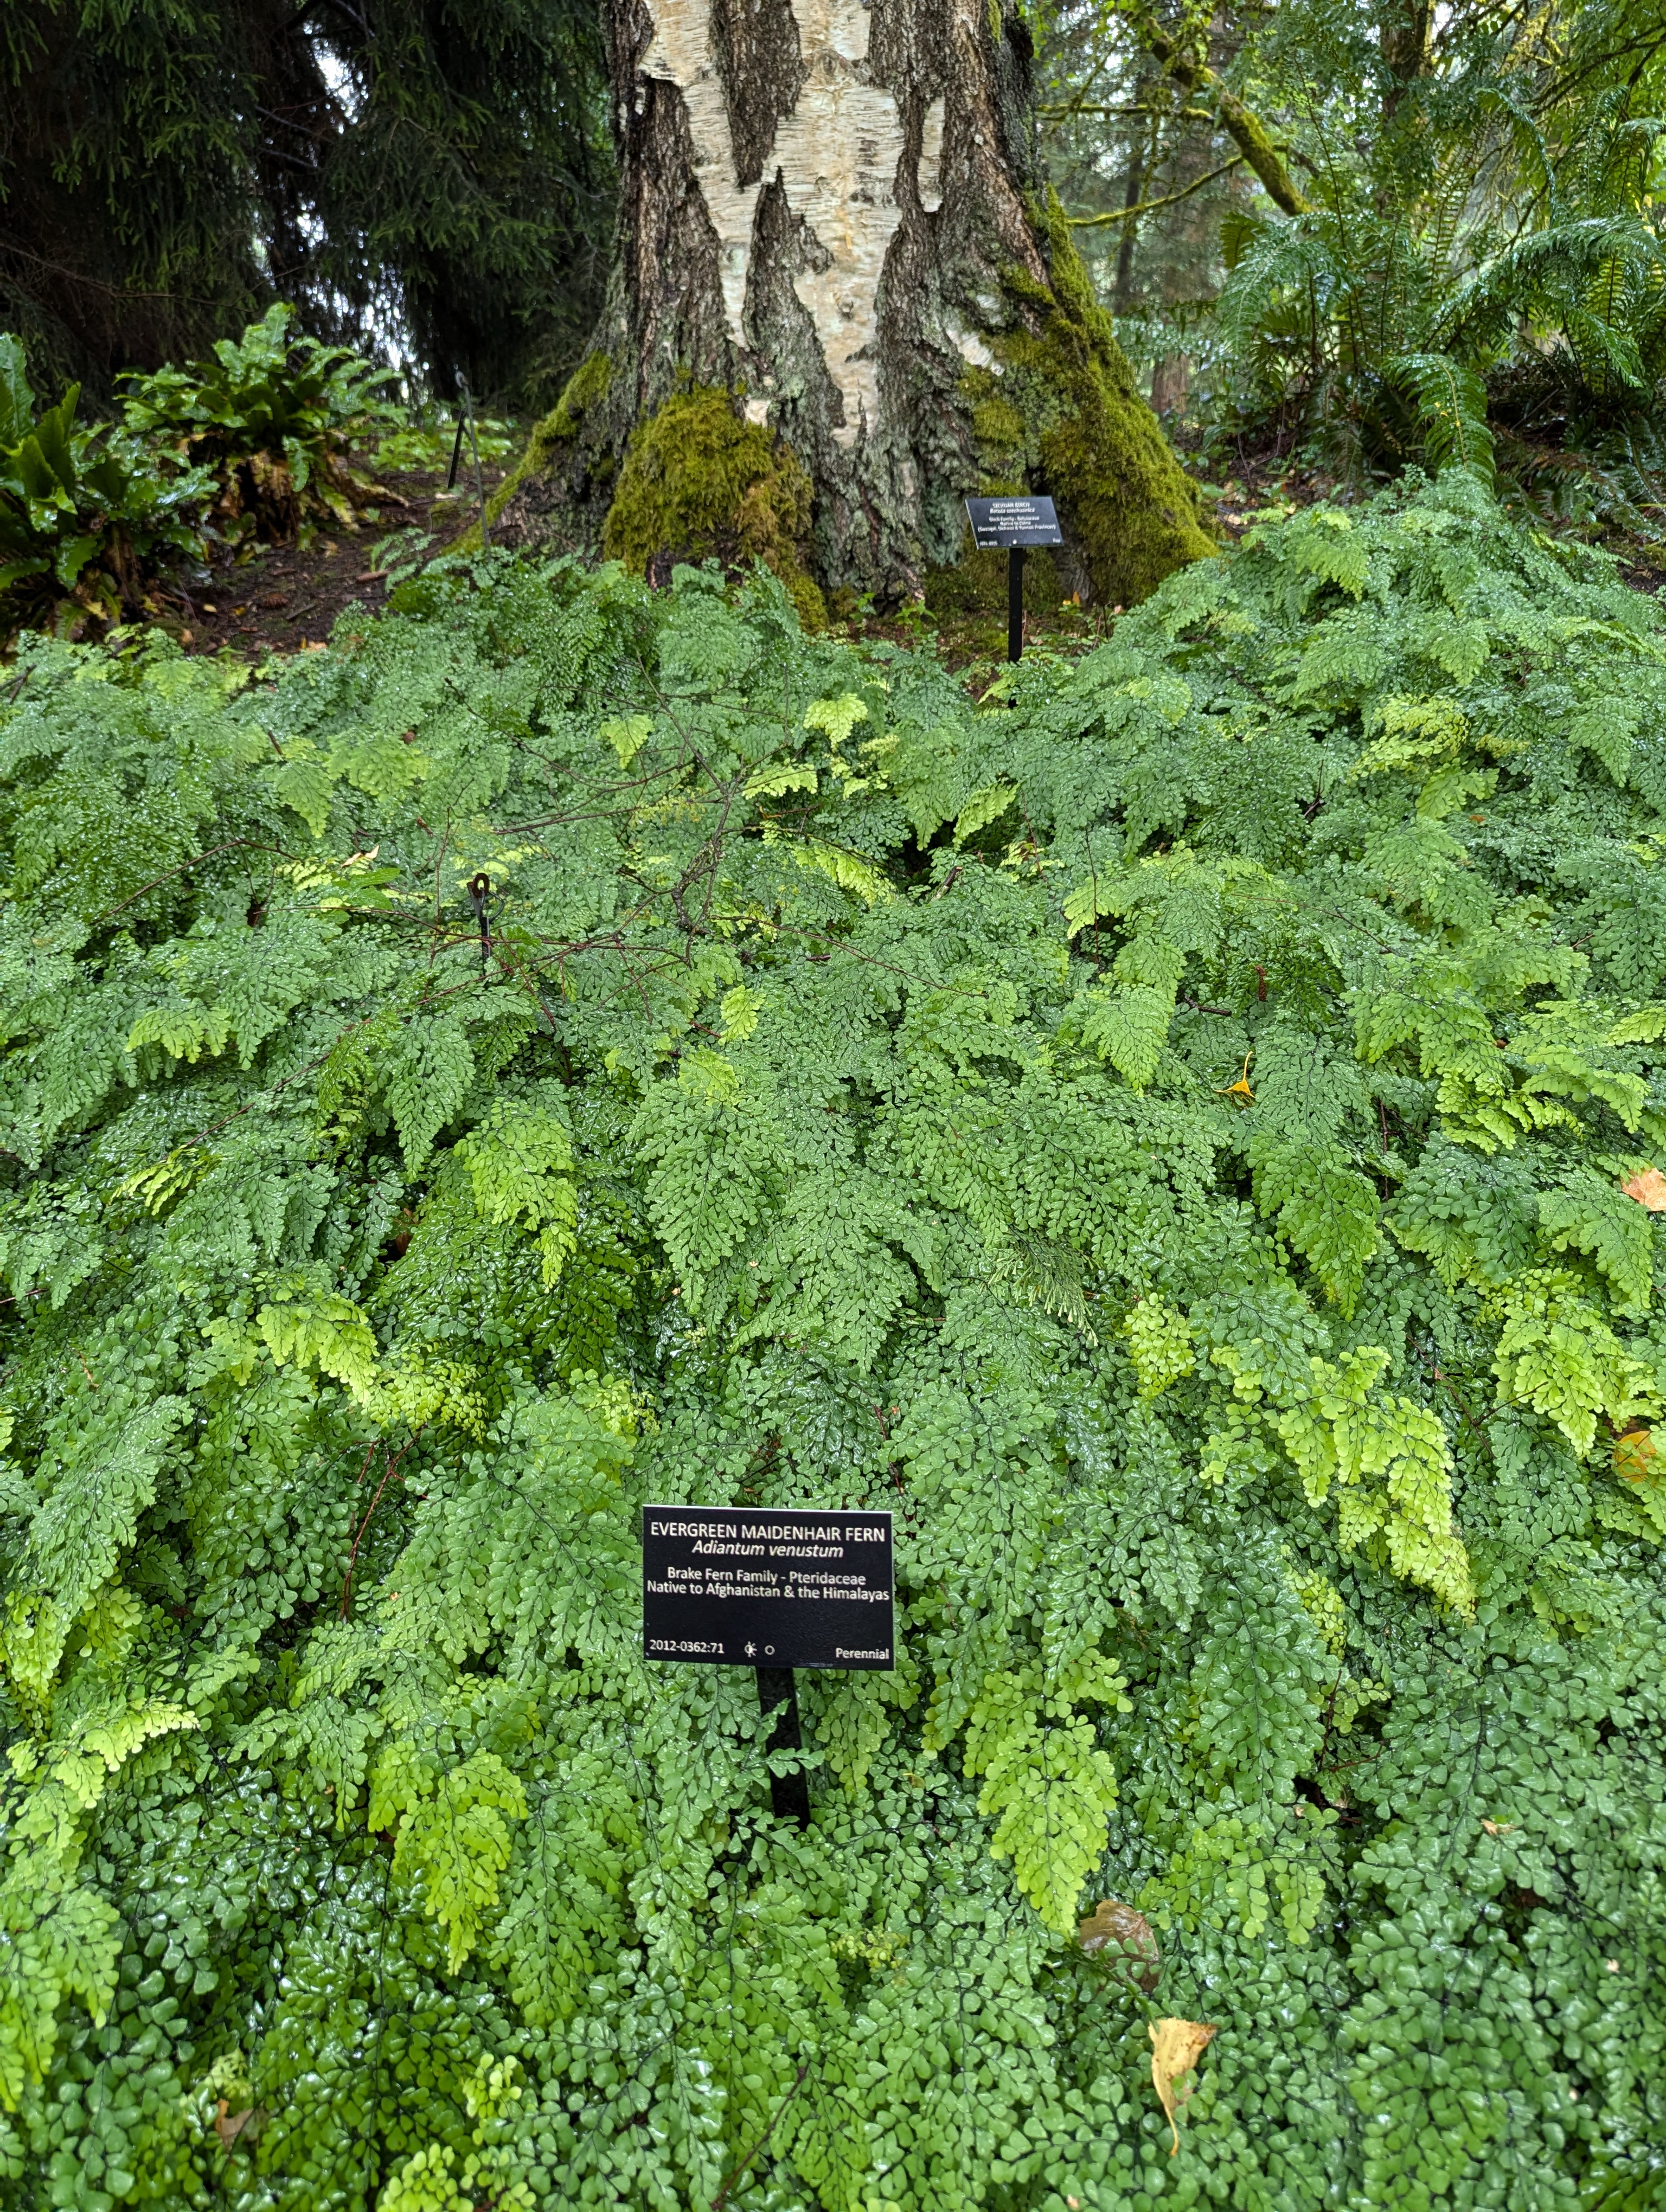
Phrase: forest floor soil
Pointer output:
(288, 598)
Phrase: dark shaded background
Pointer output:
(434, 172)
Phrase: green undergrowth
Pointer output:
(977, 584)
(1163, 1137)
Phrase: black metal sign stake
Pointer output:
(771, 1588)
(777, 1694)
(1015, 524)
(465, 420)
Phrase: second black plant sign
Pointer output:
(734, 1586)
(1016, 523)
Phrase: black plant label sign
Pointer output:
(1013, 522)
(736, 1586)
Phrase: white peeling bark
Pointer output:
(931, 158)
(821, 199)
(681, 55)
(832, 210)
(835, 158)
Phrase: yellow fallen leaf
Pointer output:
(1176, 2046)
(1634, 1455)
(1241, 1089)
(1648, 1187)
(1497, 1827)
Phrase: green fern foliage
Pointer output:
(1181, 1141)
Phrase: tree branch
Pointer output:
(1194, 76)
(1145, 207)
(1068, 109)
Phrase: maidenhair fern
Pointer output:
(1182, 1142)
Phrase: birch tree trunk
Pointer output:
(833, 213)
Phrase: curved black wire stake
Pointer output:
(456, 451)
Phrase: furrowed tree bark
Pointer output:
(836, 239)
(1402, 40)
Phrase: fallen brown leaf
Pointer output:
(1176, 2046)
(1122, 1939)
(1648, 1187)
(229, 2125)
(1497, 1827)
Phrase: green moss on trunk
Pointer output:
(588, 383)
(1062, 415)
(699, 483)
(1057, 411)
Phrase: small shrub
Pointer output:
(83, 513)
(275, 418)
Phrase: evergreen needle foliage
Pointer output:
(1165, 1140)
(168, 167)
